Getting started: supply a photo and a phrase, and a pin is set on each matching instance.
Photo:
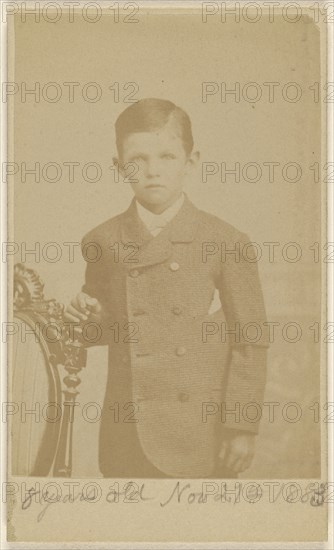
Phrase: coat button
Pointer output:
(181, 351)
(134, 272)
(183, 397)
(174, 266)
(177, 310)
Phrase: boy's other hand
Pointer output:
(82, 308)
(237, 451)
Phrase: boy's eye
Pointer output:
(137, 158)
(168, 156)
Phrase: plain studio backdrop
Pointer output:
(170, 57)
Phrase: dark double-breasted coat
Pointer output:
(172, 365)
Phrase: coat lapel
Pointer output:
(132, 228)
(156, 250)
(183, 227)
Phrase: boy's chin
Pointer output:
(156, 204)
(156, 197)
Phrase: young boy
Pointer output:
(176, 388)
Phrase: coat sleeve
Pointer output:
(242, 300)
(95, 285)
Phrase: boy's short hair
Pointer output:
(149, 114)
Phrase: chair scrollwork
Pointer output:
(47, 356)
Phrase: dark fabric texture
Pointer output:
(169, 359)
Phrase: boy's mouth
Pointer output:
(154, 186)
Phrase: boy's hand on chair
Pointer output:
(82, 308)
(237, 450)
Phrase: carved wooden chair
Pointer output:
(43, 398)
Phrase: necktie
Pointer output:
(157, 226)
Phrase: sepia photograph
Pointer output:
(167, 258)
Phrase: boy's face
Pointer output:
(160, 165)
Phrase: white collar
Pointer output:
(158, 221)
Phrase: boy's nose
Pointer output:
(152, 168)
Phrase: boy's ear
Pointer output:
(118, 165)
(193, 159)
(196, 156)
